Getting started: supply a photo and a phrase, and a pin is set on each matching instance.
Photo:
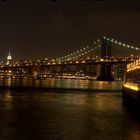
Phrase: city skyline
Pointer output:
(35, 30)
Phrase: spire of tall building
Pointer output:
(9, 58)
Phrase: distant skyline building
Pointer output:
(9, 58)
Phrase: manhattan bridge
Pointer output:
(103, 59)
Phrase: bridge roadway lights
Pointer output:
(105, 73)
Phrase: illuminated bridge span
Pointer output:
(104, 54)
(106, 51)
(105, 48)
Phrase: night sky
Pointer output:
(34, 29)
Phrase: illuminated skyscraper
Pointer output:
(9, 58)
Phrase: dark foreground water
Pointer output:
(95, 112)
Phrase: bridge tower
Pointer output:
(105, 71)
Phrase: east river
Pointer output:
(65, 110)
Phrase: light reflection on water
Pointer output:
(66, 114)
(65, 84)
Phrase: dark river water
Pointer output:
(65, 110)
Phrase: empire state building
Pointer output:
(9, 58)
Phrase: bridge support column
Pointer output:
(105, 73)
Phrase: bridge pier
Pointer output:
(105, 73)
